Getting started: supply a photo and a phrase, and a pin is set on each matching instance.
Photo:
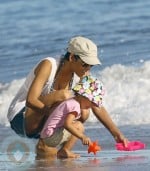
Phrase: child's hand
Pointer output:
(86, 140)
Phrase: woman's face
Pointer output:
(80, 67)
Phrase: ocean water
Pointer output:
(32, 30)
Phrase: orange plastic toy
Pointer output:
(94, 147)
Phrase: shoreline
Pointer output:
(110, 160)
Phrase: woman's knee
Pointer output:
(65, 94)
(55, 96)
(85, 115)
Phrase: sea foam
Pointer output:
(126, 100)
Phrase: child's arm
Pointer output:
(71, 125)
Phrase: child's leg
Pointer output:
(65, 151)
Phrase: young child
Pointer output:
(62, 128)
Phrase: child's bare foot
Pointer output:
(64, 153)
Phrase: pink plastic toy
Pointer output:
(132, 146)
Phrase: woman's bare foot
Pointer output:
(64, 153)
(42, 150)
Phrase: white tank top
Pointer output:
(19, 100)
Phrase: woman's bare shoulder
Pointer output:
(45, 65)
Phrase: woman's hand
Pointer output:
(121, 139)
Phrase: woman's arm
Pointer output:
(103, 116)
(42, 73)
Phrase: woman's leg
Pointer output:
(43, 151)
(85, 114)
(65, 151)
(55, 96)
(35, 121)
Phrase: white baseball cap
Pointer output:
(85, 49)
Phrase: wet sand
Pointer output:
(17, 153)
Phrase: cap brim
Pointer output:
(91, 61)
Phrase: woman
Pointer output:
(48, 84)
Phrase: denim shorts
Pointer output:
(18, 125)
